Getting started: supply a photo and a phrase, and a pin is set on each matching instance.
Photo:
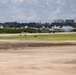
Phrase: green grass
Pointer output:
(48, 37)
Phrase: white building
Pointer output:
(1, 26)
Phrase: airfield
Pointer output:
(32, 57)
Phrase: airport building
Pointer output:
(58, 21)
(61, 23)
(69, 21)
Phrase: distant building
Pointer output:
(1, 26)
(58, 21)
(26, 26)
(69, 21)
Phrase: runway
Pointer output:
(36, 33)
(39, 61)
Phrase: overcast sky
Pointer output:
(36, 10)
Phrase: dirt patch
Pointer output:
(21, 45)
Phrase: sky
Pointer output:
(36, 10)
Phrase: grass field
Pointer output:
(47, 37)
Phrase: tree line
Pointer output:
(27, 30)
(34, 25)
(15, 27)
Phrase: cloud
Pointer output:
(16, 1)
(24, 1)
(3, 1)
(21, 16)
(58, 1)
(36, 10)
